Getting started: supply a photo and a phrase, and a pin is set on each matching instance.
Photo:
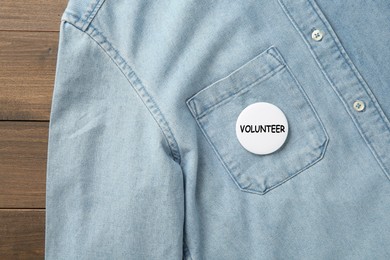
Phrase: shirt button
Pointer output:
(359, 105)
(317, 35)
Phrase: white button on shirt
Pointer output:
(359, 105)
(317, 35)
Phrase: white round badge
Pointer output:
(262, 128)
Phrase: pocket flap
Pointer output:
(243, 77)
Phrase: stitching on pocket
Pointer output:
(317, 151)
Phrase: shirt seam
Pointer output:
(352, 67)
(91, 13)
(343, 101)
(362, 82)
(82, 23)
(186, 253)
(135, 82)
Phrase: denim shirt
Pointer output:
(143, 158)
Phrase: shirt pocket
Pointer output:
(265, 78)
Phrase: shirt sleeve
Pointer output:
(113, 189)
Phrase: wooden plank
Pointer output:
(23, 152)
(32, 15)
(22, 234)
(27, 70)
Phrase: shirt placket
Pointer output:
(343, 77)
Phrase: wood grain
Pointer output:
(28, 51)
(32, 15)
(27, 70)
(23, 150)
(22, 234)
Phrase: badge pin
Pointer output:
(262, 128)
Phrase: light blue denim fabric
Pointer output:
(143, 161)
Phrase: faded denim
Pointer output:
(143, 161)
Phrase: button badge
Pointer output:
(262, 128)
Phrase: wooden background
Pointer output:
(28, 50)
